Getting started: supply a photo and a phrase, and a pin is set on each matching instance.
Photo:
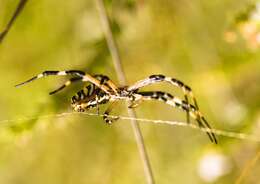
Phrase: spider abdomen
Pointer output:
(88, 98)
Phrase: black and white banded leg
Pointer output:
(161, 78)
(176, 102)
(79, 74)
(102, 78)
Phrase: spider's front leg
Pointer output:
(107, 86)
(104, 80)
(176, 102)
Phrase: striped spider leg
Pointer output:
(161, 78)
(109, 88)
(104, 80)
(176, 102)
(16, 13)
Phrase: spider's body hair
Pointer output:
(102, 90)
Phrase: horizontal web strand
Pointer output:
(243, 136)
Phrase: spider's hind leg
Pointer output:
(176, 102)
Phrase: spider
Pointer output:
(102, 90)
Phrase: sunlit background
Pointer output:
(213, 46)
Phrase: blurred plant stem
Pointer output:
(18, 10)
(248, 168)
(122, 80)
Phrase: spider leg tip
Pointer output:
(53, 92)
(18, 85)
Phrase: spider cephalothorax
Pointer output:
(102, 90)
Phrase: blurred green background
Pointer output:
(179, 38)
